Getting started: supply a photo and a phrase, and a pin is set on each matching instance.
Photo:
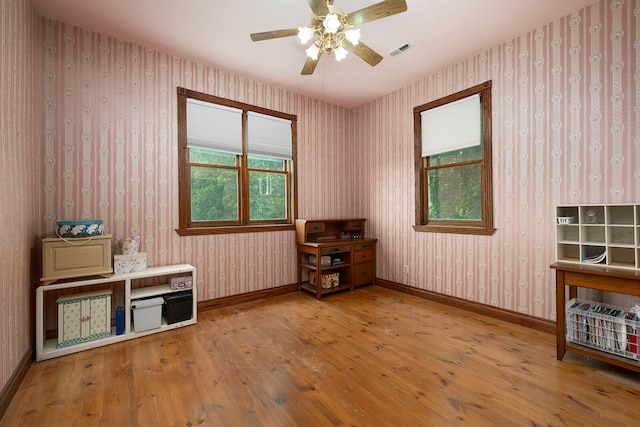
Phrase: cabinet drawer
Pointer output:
(363, 273)
(363, 246)
(363, 256)
(355, 225)
(314, 227)
(335, 250)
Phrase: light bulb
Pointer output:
(331, 23)
(305, 34)
(341, 53)
(312, 51)
(353, 36)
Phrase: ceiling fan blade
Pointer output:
(376, 11)
(319, 7)
(267, 35)
(367, 54)
(310, 65)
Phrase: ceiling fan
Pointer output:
(335, 31)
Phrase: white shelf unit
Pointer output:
(133, 288)
(584, 231)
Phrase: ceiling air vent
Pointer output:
(405, 47)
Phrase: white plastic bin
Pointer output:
(147, 313)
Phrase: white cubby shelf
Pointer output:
(131, 286)
(595, 234)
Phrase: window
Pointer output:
(453, 163)
(236, 166)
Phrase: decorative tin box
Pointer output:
(129, 263)
(329, 281)
(182, 282)
(79, 228)
(84, 317)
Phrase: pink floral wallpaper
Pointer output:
(19, 174)
(566, 129)
(110, 152)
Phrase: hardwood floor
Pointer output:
(373, 357)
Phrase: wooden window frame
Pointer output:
(485, 225)
(186, 227)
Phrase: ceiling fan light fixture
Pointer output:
(313, 51)
(332, 31)
(331, 23)
(352, 36)
(305, 34)
(341, 53)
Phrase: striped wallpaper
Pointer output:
(20, 164)
(110, 153)
(566, 130)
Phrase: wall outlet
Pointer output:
(406, 268)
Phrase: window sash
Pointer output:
(214, 127)
(269, 136)
(452, 126)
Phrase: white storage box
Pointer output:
(147, 313)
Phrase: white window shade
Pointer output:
(269, 136)
(452, 126)
(214, 127)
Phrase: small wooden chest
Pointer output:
(67, 258)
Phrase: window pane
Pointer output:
(214, 194)
(266, 163)
(267, 196)
(454, 193)
(471, 153)
(210, 157)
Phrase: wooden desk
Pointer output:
(350, 259)
(573, 276)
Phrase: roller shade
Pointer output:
(214, 127)
(269, 136)
(452, 126)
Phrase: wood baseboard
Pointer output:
(526, 320)
(246, 297)
(10, 389)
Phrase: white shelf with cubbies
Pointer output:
(607, 235)
(75, 297)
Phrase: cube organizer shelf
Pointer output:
(606, 235)
(133, 287)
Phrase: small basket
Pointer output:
(602, 326)
(566, 220)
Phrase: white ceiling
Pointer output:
(216, 32)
